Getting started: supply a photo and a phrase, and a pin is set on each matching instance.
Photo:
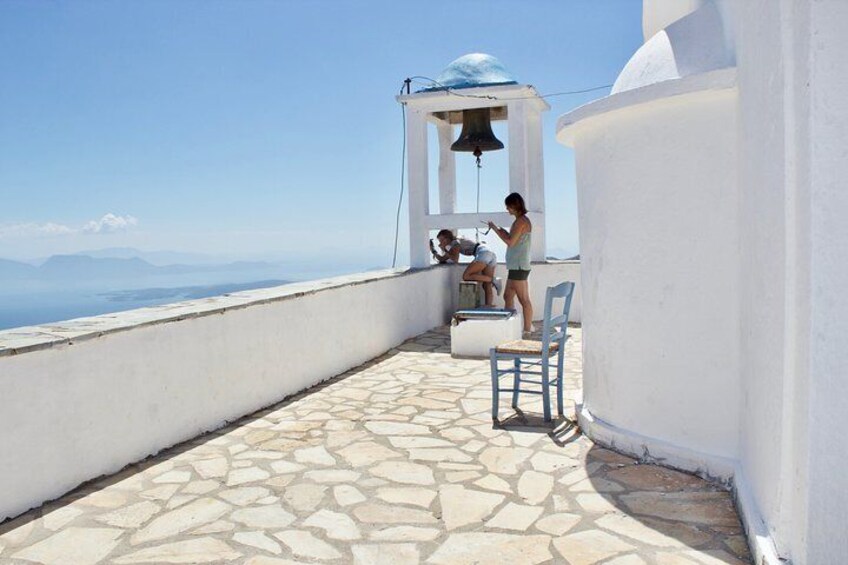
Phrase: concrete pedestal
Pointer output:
(474, 338)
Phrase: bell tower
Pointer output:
(474, 88)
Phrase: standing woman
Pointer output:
(517, 241)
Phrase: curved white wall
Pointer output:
(658, 240)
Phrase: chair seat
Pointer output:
(525, 347)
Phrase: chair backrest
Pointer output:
(554, 327)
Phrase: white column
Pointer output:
(447, 169)
(535, 179)
(419, 197)
(517, 147)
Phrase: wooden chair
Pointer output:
(554, 336)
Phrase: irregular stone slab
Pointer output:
(710, 508)
(201, 487)
(558, 524)
(713, 557)
(405, 533)
(668, 558)
(335, 525)
(304, 497)
(596, 484)
(263, 517)
(244, 495)
(60, 517)
(654, 477)
(535, 487)
(216, 527)
(211, 468)
(416, 496)
(397, 429)
(381, 514)
(490, 548)
(416, 442)
(439, 454)
(107, 498)
(462, 506)
(366, 453)
(423, 402)
(186, 517)
(346, 495)
(305, 544)
(504, 460)
(164, 493)
(132, 516)
(494, 482)
(314, 456)
(403, 472)
(590, 546)
(173, 477)
(549, 462)
(626, 560)
(73, 546)
(249, 475)
(386, 554)
(632, 528)
(597, 503)
(332, 476)
(515, 517)
(258, 540)
(285, 467)
(461, 476)
(19, 531)
(203, 550)
(262, 560)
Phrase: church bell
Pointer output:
(477, 135)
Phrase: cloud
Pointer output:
(109, 223)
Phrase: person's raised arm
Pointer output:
(511, 237)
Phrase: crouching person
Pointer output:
(482, 267)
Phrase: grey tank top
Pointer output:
(518, 256)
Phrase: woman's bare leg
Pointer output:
(509, 295)
(476, 272)
(489, 271)
(522, 290)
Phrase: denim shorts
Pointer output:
(487, 256)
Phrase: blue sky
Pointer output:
(261, 129)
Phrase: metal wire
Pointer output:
(402, 173)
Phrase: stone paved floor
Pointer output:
(395, 462)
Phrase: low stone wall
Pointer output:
(84, 398)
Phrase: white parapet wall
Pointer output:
(85, 398)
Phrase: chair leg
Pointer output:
(546, 391)
(495, 386)
(516, 383)
(559, 377)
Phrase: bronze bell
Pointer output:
(477, 135)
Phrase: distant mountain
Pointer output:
(16, 270)
(86, 268)
(158, 258)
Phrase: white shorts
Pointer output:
(486, 255)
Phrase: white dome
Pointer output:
(692, 45)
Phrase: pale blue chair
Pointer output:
(554, 336)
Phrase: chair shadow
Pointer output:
(561, 430)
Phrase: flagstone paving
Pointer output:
(394, 462)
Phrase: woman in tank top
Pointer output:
(517, 240)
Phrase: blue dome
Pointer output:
(472, 70)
